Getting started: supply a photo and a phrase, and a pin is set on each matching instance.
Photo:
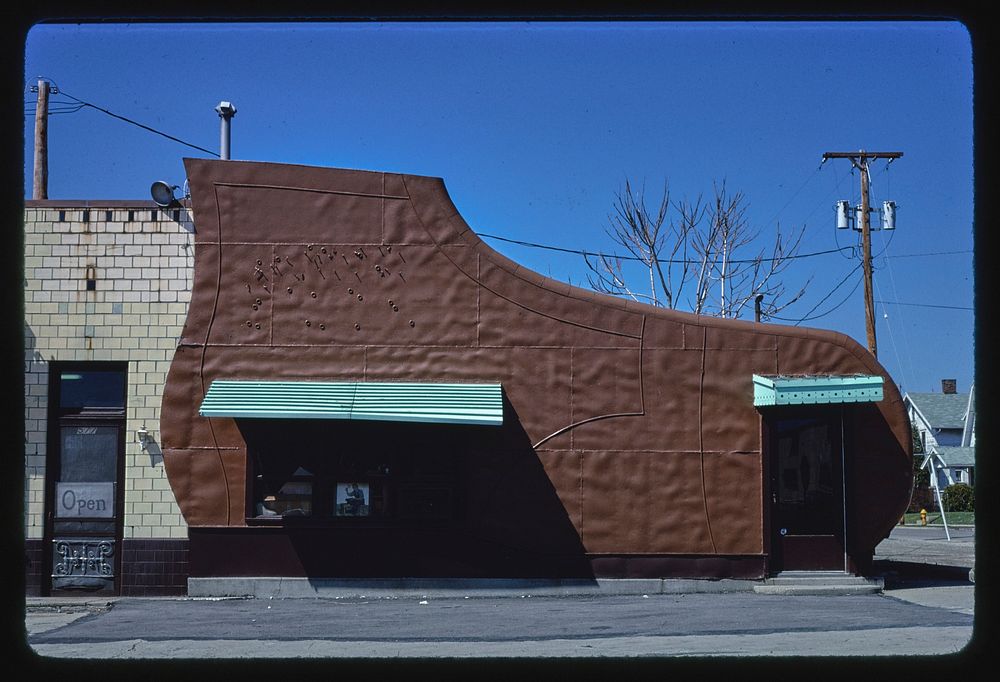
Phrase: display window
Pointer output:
(301, 484)
(292, 498)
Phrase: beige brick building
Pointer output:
(106, 290)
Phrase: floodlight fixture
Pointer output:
(163, 193)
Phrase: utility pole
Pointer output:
(40, 179)
(859, 160)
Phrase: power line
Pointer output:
(836, 188)
(808, 316)
(888, 325)
(932, 253)
(136, 123)
(816, 317)
(53, 111)
(795, 194)
(598, 254)
(927, 305)
(908, 369)
(634, 258)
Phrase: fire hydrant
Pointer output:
(923, 517)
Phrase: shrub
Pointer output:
(958, 497)
(922, 498)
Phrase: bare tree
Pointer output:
(661, 247)
(701, 246)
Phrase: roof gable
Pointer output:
(941, 410)
(957, 457)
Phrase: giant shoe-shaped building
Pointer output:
(364, 389)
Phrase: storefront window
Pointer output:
(297, 479)
(292, 498)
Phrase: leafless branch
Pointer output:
(703, 246)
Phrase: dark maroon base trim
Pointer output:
(149, 568)
(425, 553)
(33, 573)
(154, 567)
(677, 566)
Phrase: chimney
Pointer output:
(226, 111)
(949, 386)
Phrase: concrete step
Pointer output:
(819, 583)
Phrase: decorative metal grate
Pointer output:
(83, 557)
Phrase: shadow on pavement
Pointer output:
(912, 574)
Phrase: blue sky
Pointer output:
(535, 126)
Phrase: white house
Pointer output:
(946, 426)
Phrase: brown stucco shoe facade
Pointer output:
(630, 444)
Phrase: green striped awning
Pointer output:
(375, 401)
(815, 389)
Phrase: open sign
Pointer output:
(85, 500)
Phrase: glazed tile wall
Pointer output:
(140, 259)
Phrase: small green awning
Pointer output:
(374, 401)
(810, 389)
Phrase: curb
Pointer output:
(68, 604)
(905, 570)
(294, 588)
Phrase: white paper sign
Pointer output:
(85, 500)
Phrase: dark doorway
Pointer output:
(807, 491)
(84, 471)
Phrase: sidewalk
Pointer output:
(930, 557)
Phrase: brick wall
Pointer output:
(140, 259)
(34, 567)
(150, 567)
(154, 567)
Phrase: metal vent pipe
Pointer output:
(226, 111)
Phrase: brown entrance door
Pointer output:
(807, 495)
(84, 470)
